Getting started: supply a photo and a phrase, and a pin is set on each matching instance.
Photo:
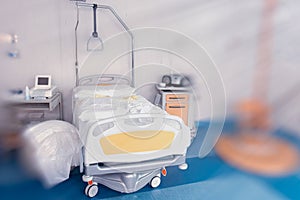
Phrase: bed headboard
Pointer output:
(104, 79)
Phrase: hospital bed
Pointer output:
(128, 141)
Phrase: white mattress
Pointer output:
(94, 103)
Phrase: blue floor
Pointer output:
(208, 178)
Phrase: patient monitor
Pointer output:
(43, 87)
(42, 82)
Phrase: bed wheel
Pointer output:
(91, 190)
(155, 181)
(183, 166)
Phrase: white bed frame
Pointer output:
(130, 172)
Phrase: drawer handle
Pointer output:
(176, 97)
(176, 106)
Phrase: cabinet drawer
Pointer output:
(177, 97)
(178, 109)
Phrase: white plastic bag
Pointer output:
(51, 149)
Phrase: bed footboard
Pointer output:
(136, 138)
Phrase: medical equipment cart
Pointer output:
(37, 110)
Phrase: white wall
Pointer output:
(228, 29)
(45, 47)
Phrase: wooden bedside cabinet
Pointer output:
(178, 101)
(178, 104)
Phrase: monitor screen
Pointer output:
(43, 81)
